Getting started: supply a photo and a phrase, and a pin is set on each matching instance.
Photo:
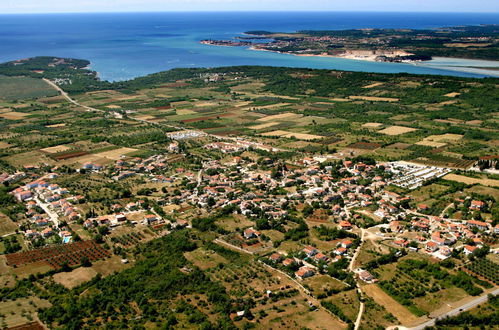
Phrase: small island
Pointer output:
(380, 45)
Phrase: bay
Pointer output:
(124, 46)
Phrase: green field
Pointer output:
(24, 88)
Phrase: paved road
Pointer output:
(457, 310)
(53, 216)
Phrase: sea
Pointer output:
(122, 46)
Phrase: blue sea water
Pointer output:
(124, 46)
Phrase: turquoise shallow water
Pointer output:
(123, 46)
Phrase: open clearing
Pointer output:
(13, 115)
(116, 153)
(373, 98)
(113, 106)
(56, 149)
(397, 130)
(76, 277)
(468, 180)
(391, 305)
(454, 94)
(205, 259)
(7, 226)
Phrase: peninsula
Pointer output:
(381, 45)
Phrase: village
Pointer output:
(349, 196)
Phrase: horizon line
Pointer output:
(246, 11)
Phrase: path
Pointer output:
(469, 305)
(66, 96)
(445, 210)
(87, 108)
(350, 268)
(232, 246)
(304, 290)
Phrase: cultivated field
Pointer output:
(16, 88)
(115, 154)
(13, 115)
(287, 134)
(397, 130)
(391, 305)
(372, 125)
(56, 149)
(373, 98)
(468, 180)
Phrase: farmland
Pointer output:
(15, 88)
(240, 197)
(57, 256)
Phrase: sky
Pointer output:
(64, 6)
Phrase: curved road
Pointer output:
(475, 302)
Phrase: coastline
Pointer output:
(370, 58)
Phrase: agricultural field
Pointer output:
(205, 192)
(57, 256)
(22, 88)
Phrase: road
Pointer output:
(66, 96)
(53, 216)
(457, 310)
(87, 108)
(350, 268)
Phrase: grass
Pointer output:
(7, 226)
(205, 259)
(22, 88)
(21, 311)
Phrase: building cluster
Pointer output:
(412, 176)
(47, 206)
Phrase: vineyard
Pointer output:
(485, 268)
(57, 256)
(128, 239)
